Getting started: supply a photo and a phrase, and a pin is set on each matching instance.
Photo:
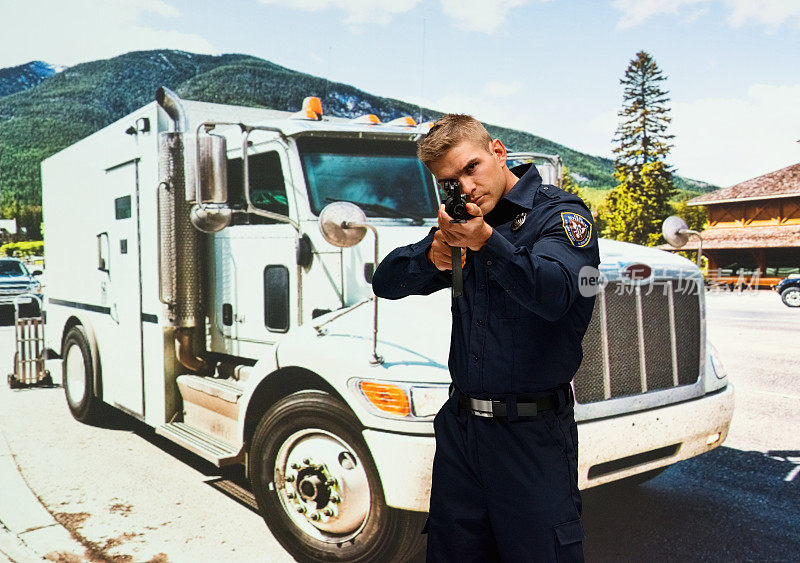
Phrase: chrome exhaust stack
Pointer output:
(181, 246)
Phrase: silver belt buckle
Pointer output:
(481, 407)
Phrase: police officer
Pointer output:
(505, 473)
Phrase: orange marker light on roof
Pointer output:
(368, 118)
(311, 110)
(386, 397)
(314, 104)
(406, 121)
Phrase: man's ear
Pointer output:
(498, 149)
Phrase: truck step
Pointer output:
(201, 443)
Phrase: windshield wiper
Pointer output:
(417, 219)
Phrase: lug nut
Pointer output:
(327, 511)
(335, 499)
(295, 466)
(315, 516)
(307, 461)
(289, 478)
(301, 509)
(291, 494)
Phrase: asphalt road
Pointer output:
(128, 494)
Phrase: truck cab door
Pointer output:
(255, 278)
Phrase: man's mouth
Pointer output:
(477, 201)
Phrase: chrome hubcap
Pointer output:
(322, 485)
(793, 298)
(75, 375)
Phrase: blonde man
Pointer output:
(504, 481)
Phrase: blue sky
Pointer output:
(551, 67)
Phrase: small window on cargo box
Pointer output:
(267, 188)
(122, 207)
(276, 298)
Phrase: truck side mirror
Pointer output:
(210, 190)
(212, 169)
(674, 230)
(342, 224)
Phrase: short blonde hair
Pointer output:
(447, 132)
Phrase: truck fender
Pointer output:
(267, 384)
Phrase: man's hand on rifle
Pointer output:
(439, 253)
(473, 234)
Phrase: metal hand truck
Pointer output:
(29, 355)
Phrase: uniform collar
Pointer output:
(521, 194)
(519, 198)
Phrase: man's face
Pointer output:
(479, 171)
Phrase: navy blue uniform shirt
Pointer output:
(518, 326)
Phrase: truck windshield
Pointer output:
(12, 268)
(385, 176)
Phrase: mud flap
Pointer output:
(427, 525)
(569, 541)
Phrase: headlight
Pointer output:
(391, 399)
(716, 362)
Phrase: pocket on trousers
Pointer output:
(427, 525)
(569, 541)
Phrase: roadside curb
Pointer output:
(38, 534)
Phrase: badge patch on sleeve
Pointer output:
(578, 229)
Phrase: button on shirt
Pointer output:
(519, 324)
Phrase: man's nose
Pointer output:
(467, 187)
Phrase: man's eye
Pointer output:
(471, 167)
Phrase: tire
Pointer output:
(321, 437)
(791, 296)
(78, 378)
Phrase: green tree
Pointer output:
(642, 136)
(634, 210)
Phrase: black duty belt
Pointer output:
(492, 408)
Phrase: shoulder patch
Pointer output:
(578, 229)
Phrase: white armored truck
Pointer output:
(208, 272)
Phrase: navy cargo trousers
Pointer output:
(505, 490)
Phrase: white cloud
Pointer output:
(480, 15)
(771, 13)
(635, 12)
(81, 30)
(358, 11)
(729, 140)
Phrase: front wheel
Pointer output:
(791, 297)
(318, 488)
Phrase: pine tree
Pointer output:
(633, 211)
(642, 135)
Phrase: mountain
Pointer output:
(66, 106)
(22, 77)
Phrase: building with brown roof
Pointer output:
(753, 225)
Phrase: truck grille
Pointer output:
(13, 289)
(641, 338)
